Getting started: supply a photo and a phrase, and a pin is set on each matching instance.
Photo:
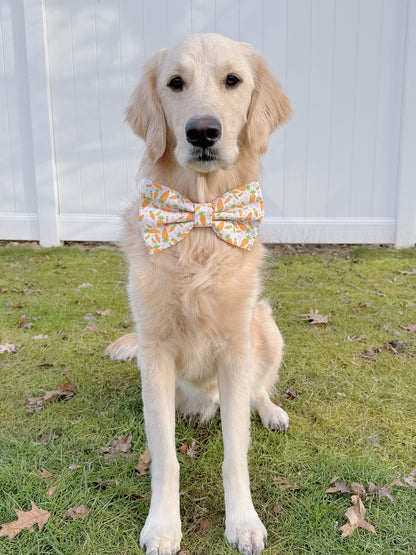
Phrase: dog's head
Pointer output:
(208, 95)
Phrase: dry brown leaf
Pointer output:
(63, 391)
(289, 394)
(381, 492)
(411, 303)
(51, 491)
(339, 487)
(7, 348)
(25, 520)
(370, 353)
(103, 312)
(283, 483)
(355, 516)
(408, 326)
(83, 285)
(23, 323)
(204, 525)
(190, 450)
(361, 305)
(396, 482)
(43, 473)
(94, 328)
(45, 439)
(410, 479)
(314, 318)
(356, 338)
(120, 445)
(76, 512)
(407, 272)
(142, 466)
(395, 347)
(358, 489)
(277, 508)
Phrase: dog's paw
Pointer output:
(161, 536)
(248, 535)
(274, 417)
(123, 348)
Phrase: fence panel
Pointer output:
(340, 171)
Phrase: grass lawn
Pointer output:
(354, 416)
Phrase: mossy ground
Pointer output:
(353, 417)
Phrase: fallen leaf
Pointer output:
(395, 347)
(358, 489)
(356, 338)
(283, 483)
(74, 466)
(204, 525)
(94, 328)
(277, 508)
(23, 323)
(76, 512)
(409, 327)
(339, 487)
(370, 353)
(120, 445)
(361, 305)
(410, 479)
(190, 450)
(407, 272)
(84, 285)
(289, 394)
(340, 394)
(396, 482)
(45, 439)
(51, 491)
(143, 464)
(355, 516)
(25, 520)
(103, 312)
(63, 391)
(7, 348)
(275, 303)
(41, 336)
(314, 318)
(411, 303)
(43, 473)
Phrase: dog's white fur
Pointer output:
(202, 338)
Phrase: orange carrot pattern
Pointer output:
(166, 217)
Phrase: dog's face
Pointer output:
(208, 94)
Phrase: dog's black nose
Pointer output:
(204, 131)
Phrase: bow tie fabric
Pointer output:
(166, 217)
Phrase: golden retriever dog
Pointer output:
(205, 109)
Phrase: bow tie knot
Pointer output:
(166, 217)
(203, 215)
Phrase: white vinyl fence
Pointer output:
(342, 171)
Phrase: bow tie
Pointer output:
(166, 216)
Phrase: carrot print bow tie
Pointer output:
(166, 216)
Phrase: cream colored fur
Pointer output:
(203, 339)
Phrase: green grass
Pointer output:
(366, 434)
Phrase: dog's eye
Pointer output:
(231, 80)
(176, 84)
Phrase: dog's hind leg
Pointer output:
(267, 357)
(123, 348)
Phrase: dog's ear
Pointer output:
(268, 109)
(144, 114)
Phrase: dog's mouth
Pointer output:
(205, 158)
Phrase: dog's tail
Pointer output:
(123, 348)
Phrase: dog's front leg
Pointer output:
(243, 528)
(161, 533)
